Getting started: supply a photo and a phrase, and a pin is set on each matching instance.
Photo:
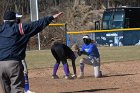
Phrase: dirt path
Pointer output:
(122, 77)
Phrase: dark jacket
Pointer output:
(13, 43)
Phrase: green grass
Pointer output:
(44, 58)
(117, 54)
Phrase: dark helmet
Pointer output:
(86, 39)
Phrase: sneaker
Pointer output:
(29, 91)
(81, 76)
(69, 77)
(55, 77)
(74, 76)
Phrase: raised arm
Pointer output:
(37, 26)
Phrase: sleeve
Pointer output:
(37, 26)
(82, 51)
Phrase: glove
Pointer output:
(79, 53)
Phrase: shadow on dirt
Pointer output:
(113, 75)
(92, 90)
(118, 75)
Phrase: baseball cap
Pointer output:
(86, 37)
(9, 15)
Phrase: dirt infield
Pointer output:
(119, 77)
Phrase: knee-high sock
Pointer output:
(66, 69)
(26, 87)
(82, 67)
(55, 68)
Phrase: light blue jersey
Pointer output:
(91, 50)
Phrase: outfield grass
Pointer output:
(44, 58)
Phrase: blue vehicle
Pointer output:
(116, 18)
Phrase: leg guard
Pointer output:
(97, 72)
(96, 66)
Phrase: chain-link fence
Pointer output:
(103, 38)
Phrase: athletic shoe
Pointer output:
(74, 76)
(55, 77)
(29, 91)
(81, 76)
(69, 77)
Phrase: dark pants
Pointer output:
(59, 55)
(62, 52)
(11, 76)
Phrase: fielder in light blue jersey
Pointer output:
(92, 57)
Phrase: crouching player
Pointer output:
(61, 52)
(92, 58)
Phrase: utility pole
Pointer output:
(34, 15)
(107, 3)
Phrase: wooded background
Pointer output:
(49, 6)
(78, 14)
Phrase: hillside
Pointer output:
(78, 15)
